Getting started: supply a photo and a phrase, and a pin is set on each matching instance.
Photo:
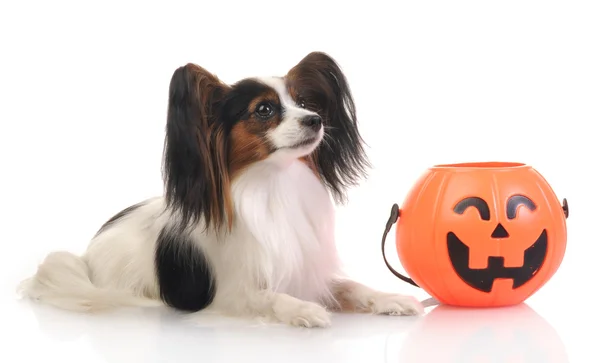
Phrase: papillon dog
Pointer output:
(245, 228)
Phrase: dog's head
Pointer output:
(215, 130)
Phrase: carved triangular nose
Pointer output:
(499, 232)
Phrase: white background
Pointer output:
(83, 91)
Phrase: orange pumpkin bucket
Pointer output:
(480, 234)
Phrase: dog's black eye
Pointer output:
(301, 103)
(264, 110)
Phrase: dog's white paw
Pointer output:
(395, 304)
(302, 313)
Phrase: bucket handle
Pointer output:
(565, 208)
(394, 215)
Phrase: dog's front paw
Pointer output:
(395, 304)
(302, 313)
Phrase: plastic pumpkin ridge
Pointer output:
(480, 234)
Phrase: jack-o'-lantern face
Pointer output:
(496, 233)
(483, 278)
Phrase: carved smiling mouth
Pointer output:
(483, 279)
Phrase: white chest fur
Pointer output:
(285, 229)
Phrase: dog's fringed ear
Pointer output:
(341, 159)
(195, 171)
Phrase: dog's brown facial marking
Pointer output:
(255, 109)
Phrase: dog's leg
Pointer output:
(293, 311)
(275, 307)
(353, 296)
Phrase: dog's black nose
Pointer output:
(314, 122)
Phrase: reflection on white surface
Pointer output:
(445, 334)
(500, 335)
(160, 335)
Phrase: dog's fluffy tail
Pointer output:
(62, 280)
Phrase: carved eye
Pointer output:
(264, 110)
(514, 202)
(476, 202)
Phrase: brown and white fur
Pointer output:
(246, 225)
